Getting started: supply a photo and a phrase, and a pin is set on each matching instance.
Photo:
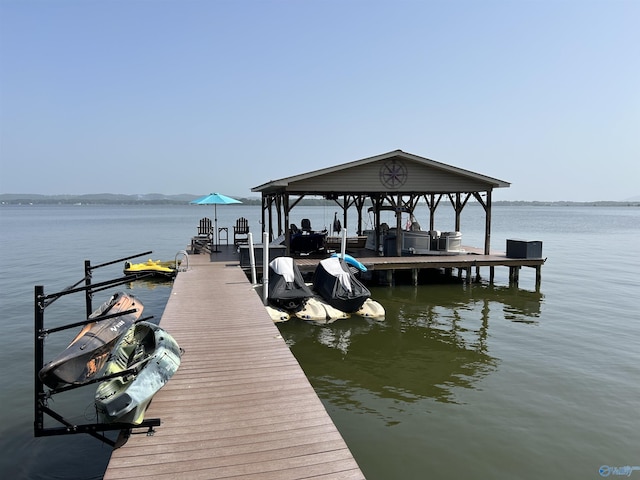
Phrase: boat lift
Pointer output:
(41, 397)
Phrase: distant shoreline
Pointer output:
(159, 199)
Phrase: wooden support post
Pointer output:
(514, 275)
(478, 277)
(414, 276)
(468, 275)
(385, 277)
(538, 276)
(492, 274)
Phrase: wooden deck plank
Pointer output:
(279, 464)
(240, 406)
(326, 430)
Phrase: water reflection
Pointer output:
(150, 283)
(435, 340)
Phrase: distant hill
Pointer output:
(105, 199)
(184, 198)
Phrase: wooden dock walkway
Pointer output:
(240, 405)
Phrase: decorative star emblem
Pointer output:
(393, 174)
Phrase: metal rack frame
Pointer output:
(41, 397)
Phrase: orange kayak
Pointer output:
(88, 352)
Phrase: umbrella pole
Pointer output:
(215, 229)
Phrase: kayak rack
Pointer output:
(42, 396)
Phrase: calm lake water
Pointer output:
(461, 381)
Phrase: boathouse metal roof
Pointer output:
(392, 172)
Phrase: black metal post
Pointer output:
(38, 343)
(88, 295)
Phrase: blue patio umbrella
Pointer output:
(215, 199)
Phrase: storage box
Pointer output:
(524, 248)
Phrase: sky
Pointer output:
(195, 96)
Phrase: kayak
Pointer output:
(351, 261)
(88, 352)
(154, 356)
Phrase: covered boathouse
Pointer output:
(392, 181)
(397, 181)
